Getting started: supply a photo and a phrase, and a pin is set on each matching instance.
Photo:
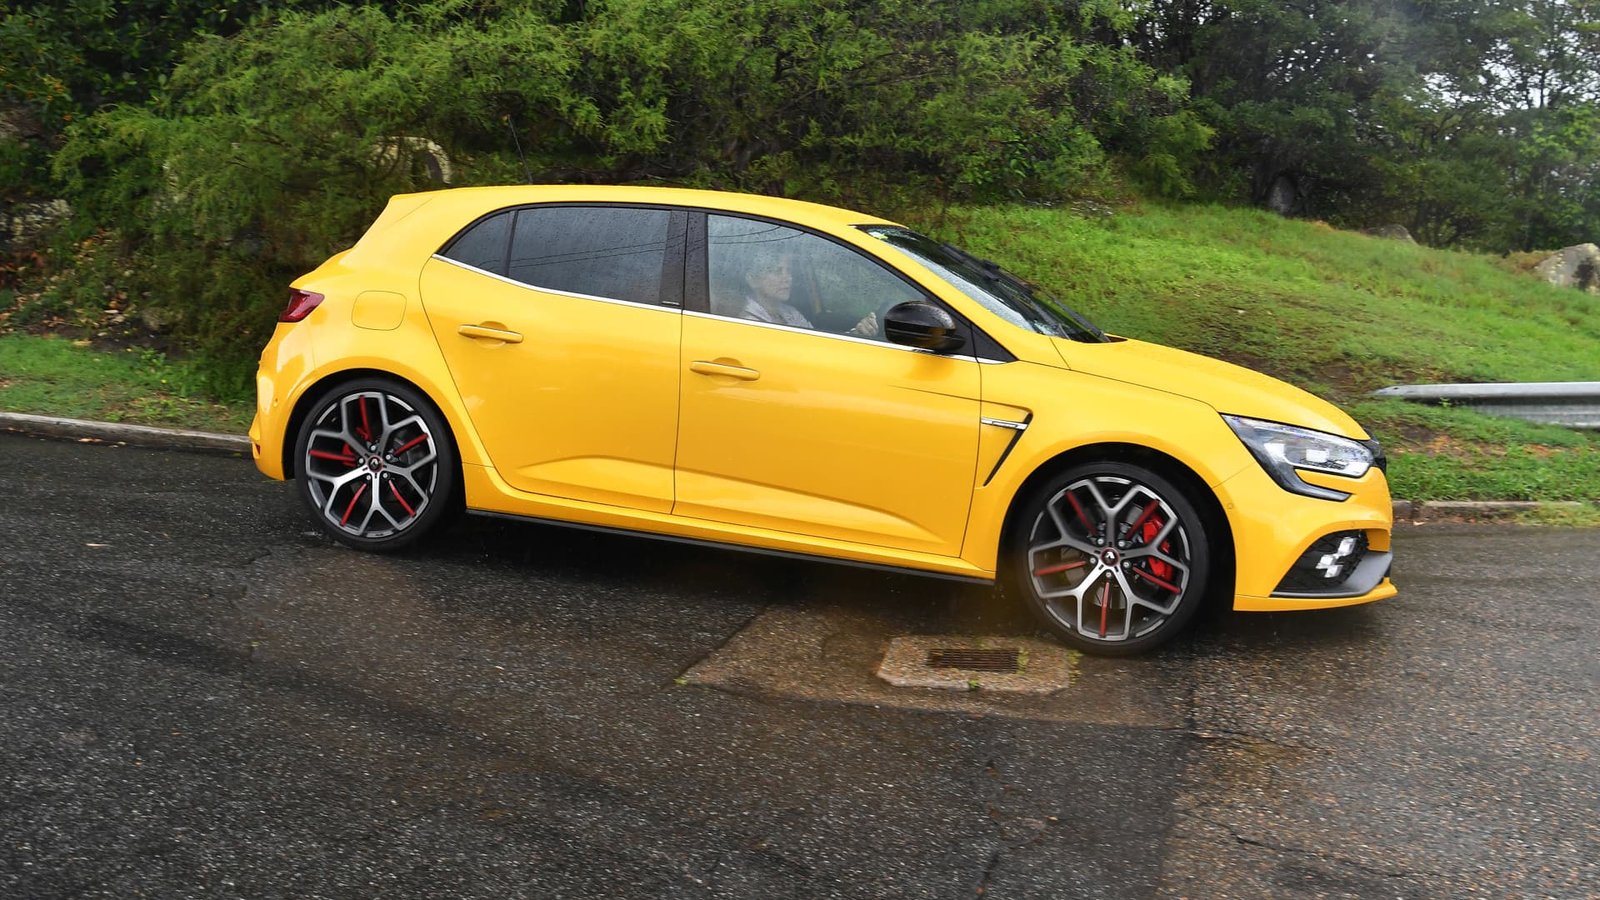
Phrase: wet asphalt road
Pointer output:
(200, 697)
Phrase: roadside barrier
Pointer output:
(1574, 404)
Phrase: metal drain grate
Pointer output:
(975, 660)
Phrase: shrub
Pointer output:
(268, 150)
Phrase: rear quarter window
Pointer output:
(611, 252)
(483, 245)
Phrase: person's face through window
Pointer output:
(772, 280)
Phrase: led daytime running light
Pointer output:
(1286, 450)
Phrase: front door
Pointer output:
(796, 416)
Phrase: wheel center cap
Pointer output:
(1108, 557)
(374, 464)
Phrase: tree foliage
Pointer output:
(269, 148)
(1470, 121)
(61, 60)
(233, 145)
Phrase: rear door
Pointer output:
(561, 326)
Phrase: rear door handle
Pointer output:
(491, 334)
(706, 367)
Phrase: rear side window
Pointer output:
(483, 246)
(611, 252)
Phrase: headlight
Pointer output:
(1284, 449)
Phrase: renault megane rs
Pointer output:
(799, 379)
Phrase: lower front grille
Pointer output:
(1327, 566)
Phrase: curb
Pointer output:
(136, 435)
(1415, 511)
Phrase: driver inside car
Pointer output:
(769, 293)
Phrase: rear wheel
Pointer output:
(1112, 557)
(376, 464)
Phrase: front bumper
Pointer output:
(1296, 552)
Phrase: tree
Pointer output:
(1469, 121)
(264, 151)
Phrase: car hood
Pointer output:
(1223, 386)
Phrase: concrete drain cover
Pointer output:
(1015, 665)
(835, 653)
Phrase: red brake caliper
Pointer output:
(1158, 568)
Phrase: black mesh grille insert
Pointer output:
(1326, 565)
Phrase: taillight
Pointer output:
(301, 303)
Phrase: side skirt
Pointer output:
(725, 545)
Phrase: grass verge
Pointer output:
(1587, 516)
(59, 377)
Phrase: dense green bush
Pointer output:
(268, 150)
(63, 59)
(1474, 123)
(230, 146)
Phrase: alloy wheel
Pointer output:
(1109, 559)
(371, 465)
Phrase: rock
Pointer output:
(22, 223)
(18, 123)
(1390, 232)
(1577, 266)
(154, 319)
(417, 152)
(1283, 195)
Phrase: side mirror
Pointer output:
(922, 325)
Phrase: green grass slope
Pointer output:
(1337, 313)
(51, 375)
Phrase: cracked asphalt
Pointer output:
(200, 697)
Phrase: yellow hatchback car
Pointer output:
(803, 380)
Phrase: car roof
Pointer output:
(485, 199)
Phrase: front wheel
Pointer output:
(376, 464)
(1111, 556)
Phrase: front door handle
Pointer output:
(491, 334)
(707, 367)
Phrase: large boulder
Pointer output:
(18, 123)
(1576, 266)
(23, 224)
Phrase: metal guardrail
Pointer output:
(1575, 404)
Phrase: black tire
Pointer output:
(1110, 556)
(376, 465)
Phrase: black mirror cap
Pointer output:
(920, 324)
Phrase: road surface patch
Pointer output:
(828, 652)
(977, 663)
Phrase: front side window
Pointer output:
(766, 272)
(611, 252)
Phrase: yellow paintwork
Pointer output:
(378, 310)
(584, 406)
(892, 467)
(695, 426)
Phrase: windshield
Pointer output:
(999, 291)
